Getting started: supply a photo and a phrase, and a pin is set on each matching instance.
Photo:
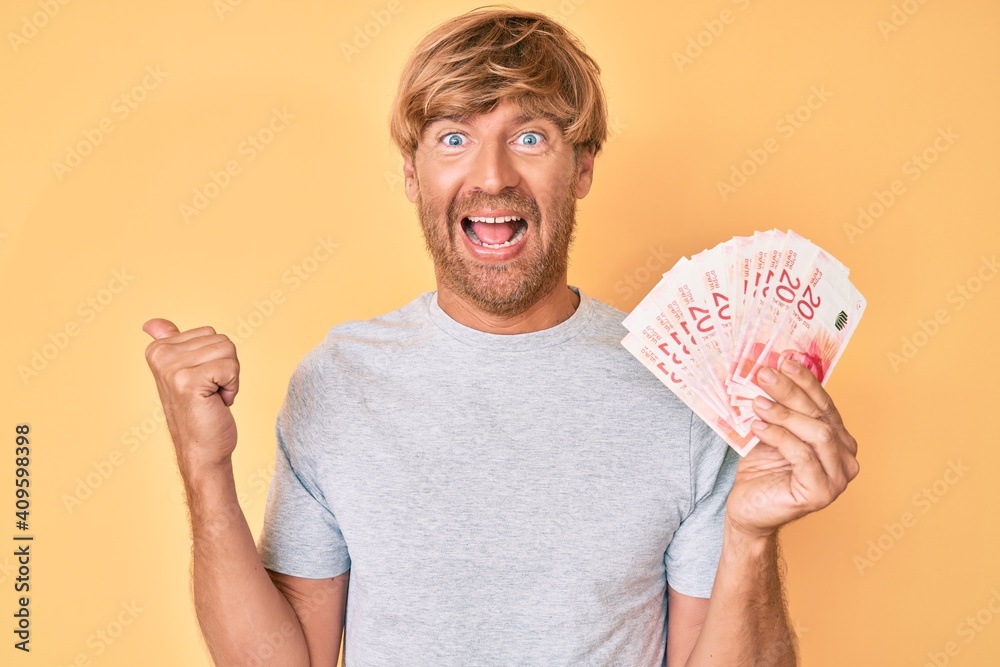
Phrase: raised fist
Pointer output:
(197, 376)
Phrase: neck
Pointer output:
(554, 307)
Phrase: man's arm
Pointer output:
(804, 460)
(320, 605)
(241, 612)
(244, 615)
(685, 618)
(745, 622)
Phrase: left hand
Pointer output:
(804, 460)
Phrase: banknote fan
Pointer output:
(721, 315)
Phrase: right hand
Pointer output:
(197, 376)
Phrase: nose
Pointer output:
(492, 169)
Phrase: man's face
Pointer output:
(468, 175)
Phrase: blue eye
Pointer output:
(531, 138)
(454, 139)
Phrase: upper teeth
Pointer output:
(505, 218)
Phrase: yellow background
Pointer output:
(863, 590)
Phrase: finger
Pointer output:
(782, 389)
(808, 383)
(207, 348)
(160, 328)
(810, 485)
(215, 376)
(205, 353)
(225, 373)
(190, 344)
(827, 440)
(160, 350)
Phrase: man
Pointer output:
(502, 483)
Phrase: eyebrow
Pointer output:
(516, 120)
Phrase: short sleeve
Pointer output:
(301, 536)
(692, 556)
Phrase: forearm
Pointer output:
(244, 618)
(746, 622)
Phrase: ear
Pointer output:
(410, 178)
(585, 172)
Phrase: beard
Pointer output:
(502, 289)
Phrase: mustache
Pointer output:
(524, 205)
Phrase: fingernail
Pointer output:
(767, 375)
(758, 426)
(790, 366)
(762, 403)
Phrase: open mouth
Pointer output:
(499, 232)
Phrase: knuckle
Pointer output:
(184, 380)
(825, 433)
(228, 344)
(839, 485)
(833, 489)
(213, 340)
(780, 436)
(154, 354)
(766, 432)
(223, 343)
(825, 406)
(780, 411)
(781, 388)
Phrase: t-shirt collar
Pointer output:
(523, 341)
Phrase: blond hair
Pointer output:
(469, 64)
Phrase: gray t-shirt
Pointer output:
(499, 499)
